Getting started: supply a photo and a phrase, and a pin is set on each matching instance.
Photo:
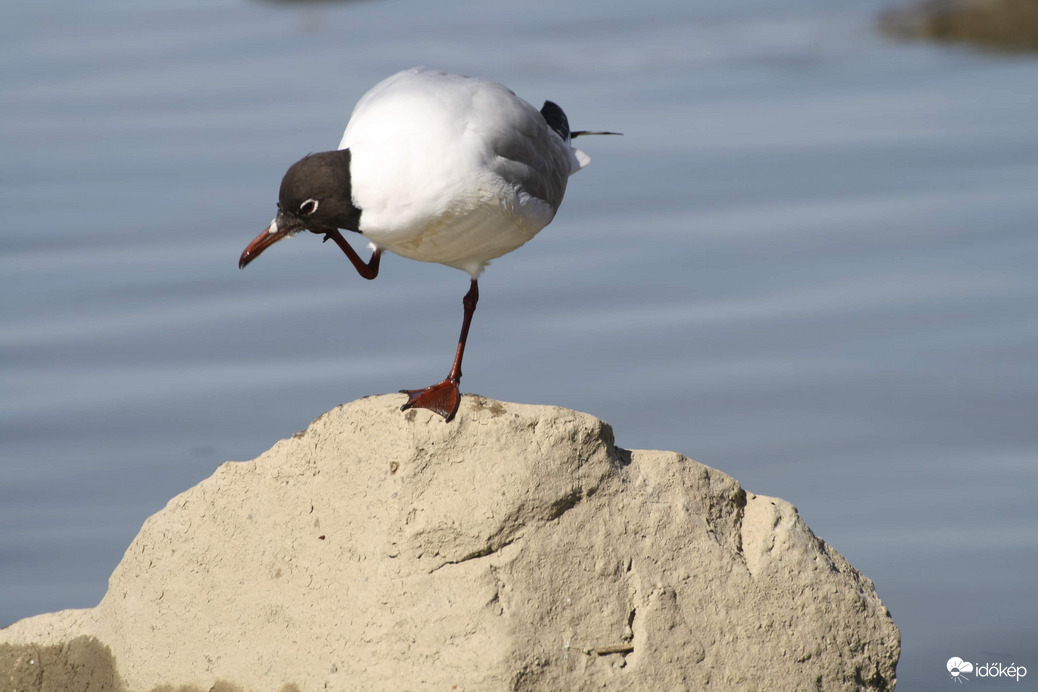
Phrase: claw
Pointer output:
(442, 398)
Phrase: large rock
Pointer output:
(514, 549)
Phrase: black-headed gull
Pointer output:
(434, 167)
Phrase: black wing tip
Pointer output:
(581, 133)
(556, 118)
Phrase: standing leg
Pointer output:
(444, 398)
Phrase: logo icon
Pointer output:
(956, 668)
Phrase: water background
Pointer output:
(810, 263)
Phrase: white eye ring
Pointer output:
(308, 207)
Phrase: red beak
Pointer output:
(280, 227)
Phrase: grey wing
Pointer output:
(534, 158)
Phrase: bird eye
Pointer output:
(308, 207)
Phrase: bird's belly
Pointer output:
(466, 238)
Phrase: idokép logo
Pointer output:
(957, 669)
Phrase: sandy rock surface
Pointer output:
(514, 549)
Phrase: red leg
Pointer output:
(368, 270)
(444, 398)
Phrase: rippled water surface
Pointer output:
(810, 263)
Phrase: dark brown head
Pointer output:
(316, 195)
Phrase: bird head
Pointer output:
(316, 195)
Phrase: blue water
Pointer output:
(809, 263)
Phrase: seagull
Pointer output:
(434, 167)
